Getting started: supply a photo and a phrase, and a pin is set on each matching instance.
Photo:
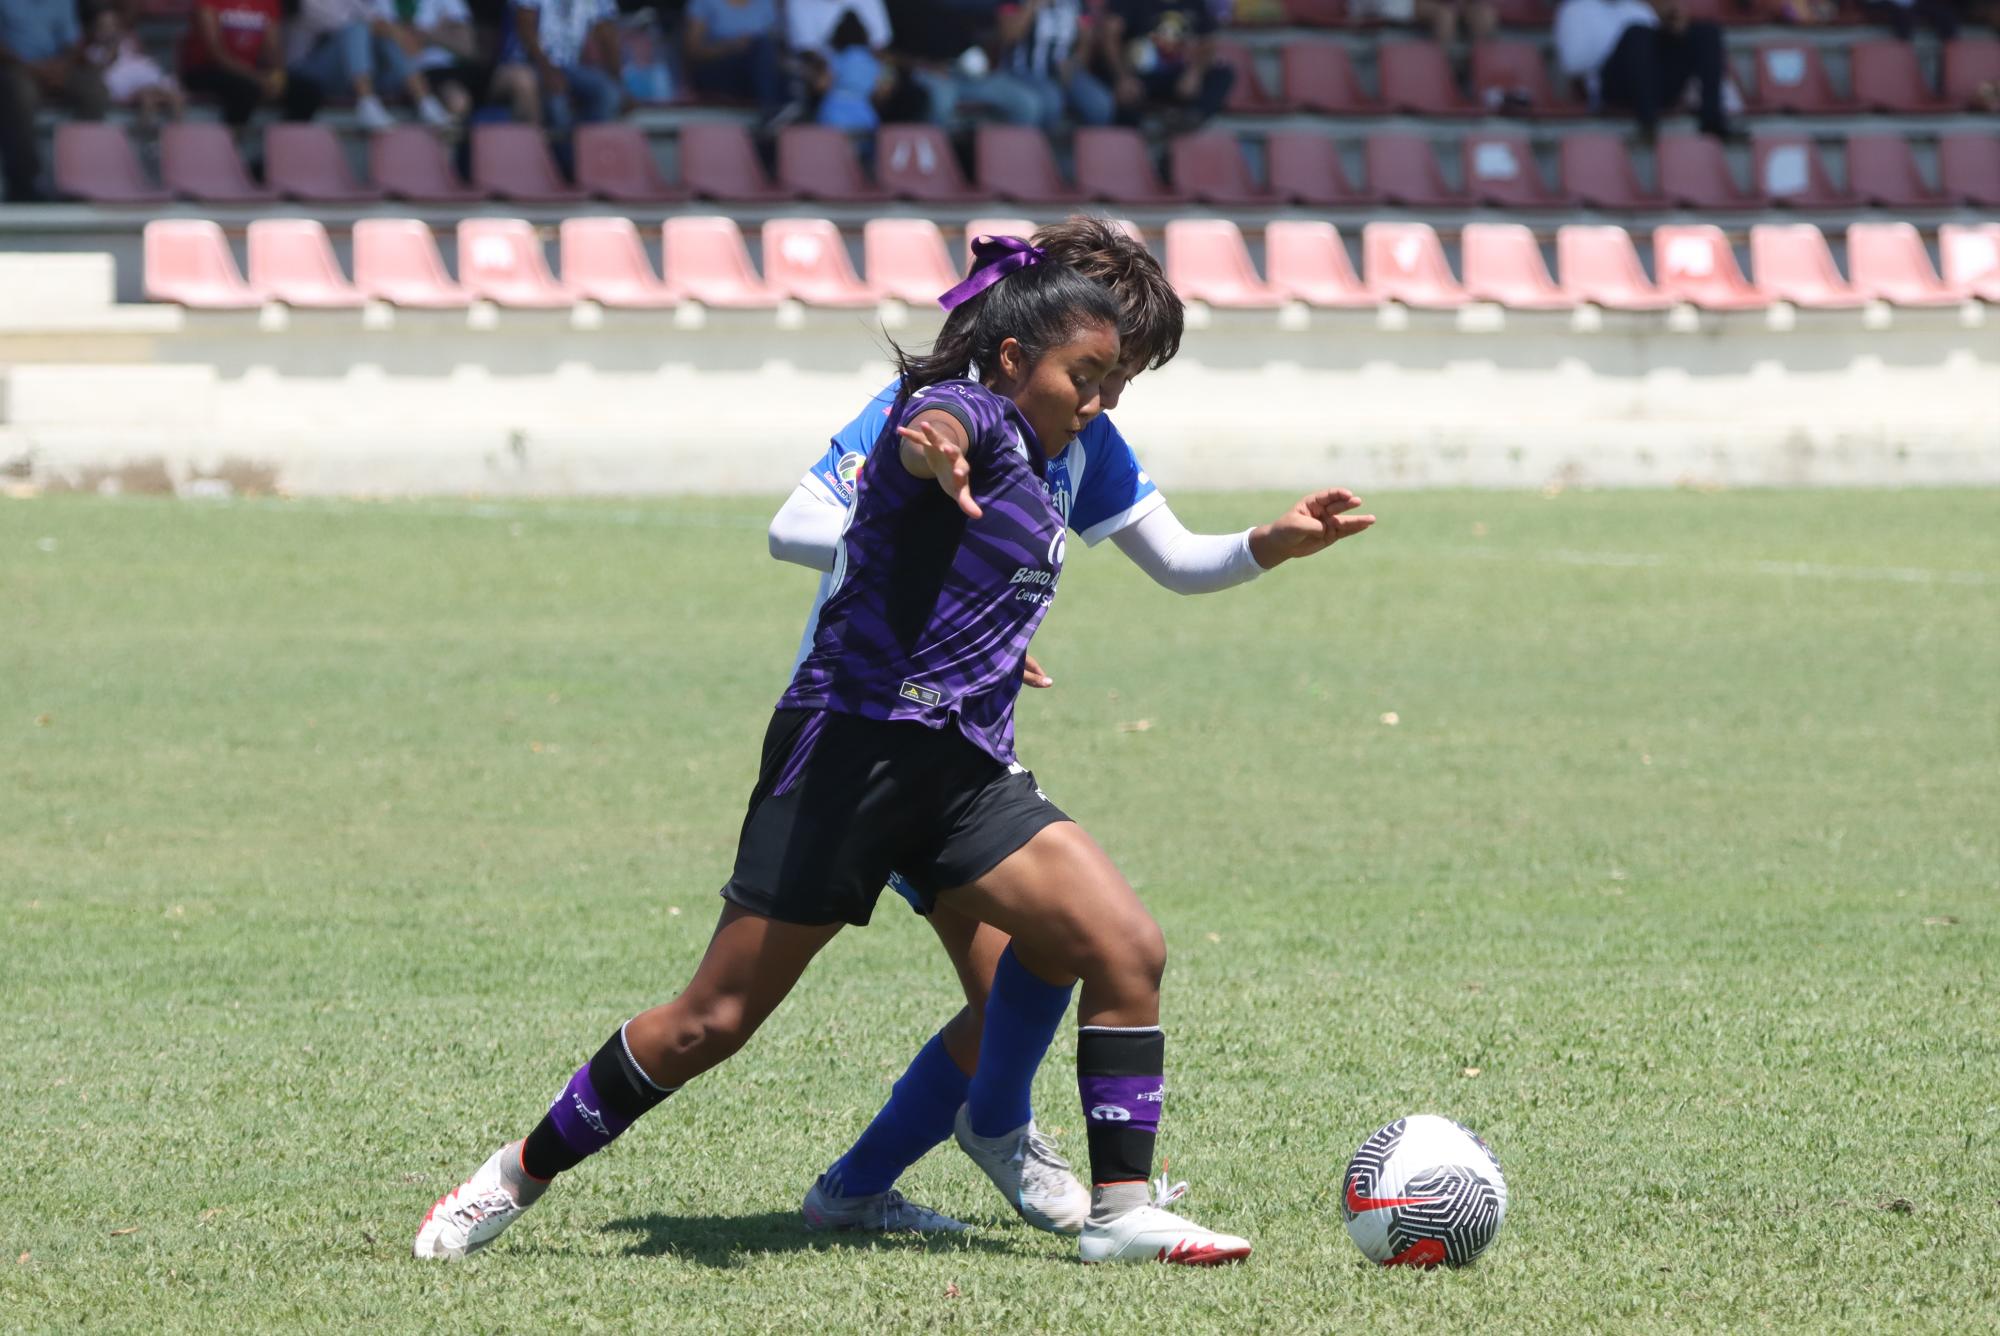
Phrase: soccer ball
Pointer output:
(1423, 1191)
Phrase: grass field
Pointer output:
(1657, 836)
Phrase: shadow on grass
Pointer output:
(728, 1240)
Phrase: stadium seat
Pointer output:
(707, 259)
(1595, 170)
(718, 161)
(916, 162)
(94, 161)
(805, 259)
(1319, 76)
(1316, 13)
(1972, 258)
(1247, 95)
(1789, 173)
(198, 161)
(1305, 168)
(305, 162)
(396, 260)
(1307, 261)
(1416, 78)
(1885, 77)
(1512, 78)
(501, 259)
(1500, 170)
(1209, 166)
(1694, 172)
(1208, 261)
(1970, 66)
(292, 261)
(1792, 262)
(604, 259)
(614, 161)
(908, 259)
(819, 162)
(1017, 163)
(1882, 171)
(188, 261)
(1403, 169)
(1601, 266)
(1791, 77)
(1405, 262)
(409, 163)
(1889, 263)
(1503, 263)
(1113, 164)
(1969, 164)
(1696, 264)
(514, 163)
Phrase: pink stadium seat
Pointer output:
(1886, 78)
(1208, 261)
(1792, 262)
(1247, 96)
(1500, 170)
(409, 163)
(1882, 171)
(1319, 76)
(1791, 77)
(1405, 262)
(396, 260)
(513, 162)
(820, 162)
(1112, 163)
(1694, 172)
(917, 162)
(1512, 78)
(604, 260)
(1308, 262)
(96, 162)
(1416, 77)
(1209, 166)
(995, 227)
(292, 261)
(198, 161)
(718, 161)
(908, 259)
(188, 261)
(306, 162)
(1503, 263)
(805, 259)
(1969, 163)
(1600, 265)
(1403, 169)
(501, 260)
(615, 161)
(707, 259)
(1316, 13)
(1972, 258)
(1596, 172)
(1970, 66)
(1788, 172)
(1696, 264)
(1306, 169)
(1016, 162)
(1889, 263)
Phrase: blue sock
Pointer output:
(918, 1116)
(1021, 1019)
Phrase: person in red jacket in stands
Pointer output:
(234, 52)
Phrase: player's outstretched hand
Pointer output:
(947, 463)
(1312, 525)
(1032, 673)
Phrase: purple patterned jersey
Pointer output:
(932, 613)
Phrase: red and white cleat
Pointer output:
(474, 1213)
(1152, 1234)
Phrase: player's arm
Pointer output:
(1198, 563)
(806, 530)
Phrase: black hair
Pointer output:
(1040, 307)
(850, 31)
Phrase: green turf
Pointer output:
(333, 836)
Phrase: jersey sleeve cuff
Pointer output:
(946, 406)
(815, 484)
(1125, 518)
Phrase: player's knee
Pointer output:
(711, 1028)
(1129, 951)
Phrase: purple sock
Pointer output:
(604, 1097)
(918, 1116)
(1021, 1019)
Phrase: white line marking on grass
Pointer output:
(1805, 570)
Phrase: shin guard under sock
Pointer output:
(1022, 1013)
(917, 1117)
(607, 1095)
(1119, 1074)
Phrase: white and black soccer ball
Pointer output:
(1423, 1191)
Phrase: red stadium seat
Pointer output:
(96, 162)
(1882, 171)
(1319, 76)
(198, 161)
(1503, 263)
(1969, 67)
(1247, 96)
(1972, 258)
(501, 260)
(1209, 166)
(396, 260)
(1596, 172)
(1601, 266)
(1500, 170)
(1791, 77)
(1886, 77)
(819, 162)
(1403, 169)
(1792, 262)
(1308, 262)
(306, 162)
(1969, 163)
(1696, 264)
(1512, 78)
(1405, 262)
(1306, 169)
(188, 261)
(1016, 162)
(916, 162)
(1788, 172)
(707, 259)
(513, 162)
(805, 259)
(604, 260)
(1416, 77)
(409, 163)
(292, 261)
(1207, 261)
(1113, 164)
(718, 161)
(908, 259)
(1694, 172)
(615, 161)
(1889, 263)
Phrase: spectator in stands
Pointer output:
(1047, 44)
(132, 78)
(234, 53)
(1448, 20)
(732, 51)
(1160, 56)
(850, 80)
(351, 45)
(1903, 16)
(810, 23)
(1627, 54)
(44, 61)
(942, 45)
(439, 39)
(561, 63)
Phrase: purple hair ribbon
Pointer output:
(993, 258)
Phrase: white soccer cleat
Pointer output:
(474, 1213)
(1036, 1182)
(370, 114)
(881, 1213)
(1152, 1234)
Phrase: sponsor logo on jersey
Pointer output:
(921, 694)
(1110, 1113)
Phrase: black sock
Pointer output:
(607, 1095)
(1118, 1072)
